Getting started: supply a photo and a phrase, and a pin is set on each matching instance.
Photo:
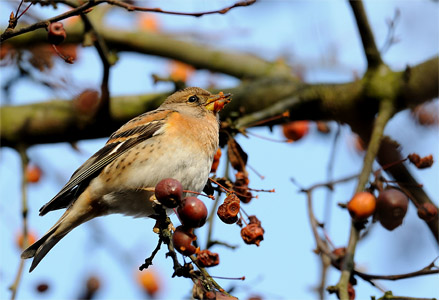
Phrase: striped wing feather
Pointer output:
(129, 135)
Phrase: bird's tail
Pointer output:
(40, 248)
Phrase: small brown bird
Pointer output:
(177, 140)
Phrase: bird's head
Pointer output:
(194, 97)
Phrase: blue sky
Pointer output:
(311, 33)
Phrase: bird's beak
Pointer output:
(216, 102)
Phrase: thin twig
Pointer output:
(148, 261)
(371, 51)
(131, 7)
(43, 24)
(391, 39)
(24, 211)
(428, 270)
(331, 163)
(84, 8)
(385, 112)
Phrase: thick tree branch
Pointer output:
(389, 154)
(201, 56)
(58, 121)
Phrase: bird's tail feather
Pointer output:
(40, 248)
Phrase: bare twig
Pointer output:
(389, 296)
(131, 7)
(373, 56)
(331, 163)
(421, 272)
(102, 49)
(84, 8)
(149, 260)
(391, 39)
(24, 211)
(43, 24)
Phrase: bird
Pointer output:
(177, 140)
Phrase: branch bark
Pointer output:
(58, 121)
(199, 55)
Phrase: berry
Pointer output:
(323, 127)
(421, 162)
(182, 239)
(192, 212)
(252, 234)
(31, 238)
(33, 173)
(93, 284)
(340, 253)
(228, 211)
(207, 258)
(427, 211)
(57, 33)
(241, 187)
(295, 130)
(169, 192)
(391, 208)
(216, 160)
(362, 206)
(42, 287)
(149, 282)
(87, 102)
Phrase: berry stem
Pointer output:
(199, 194)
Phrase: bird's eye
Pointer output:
(193, 99)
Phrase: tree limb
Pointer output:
(200, 56)
(57, 121)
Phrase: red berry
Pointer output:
(216, 160)
(252, 234)
(33, 173)
(87, 102)
(31, 238)
(182, 239)
(207, 258)
(149, 282)
(391, 208)
(169, 192)
(42, 287)
(340, 253)
(295, 130)
(192, 212)
(362, 205)
(93, 284)
(56, 34)
(228, 211)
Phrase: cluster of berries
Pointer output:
(389, 208)
(192, 213)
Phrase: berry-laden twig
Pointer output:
(385, 112)
(168, 194)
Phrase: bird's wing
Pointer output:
(133, 132)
